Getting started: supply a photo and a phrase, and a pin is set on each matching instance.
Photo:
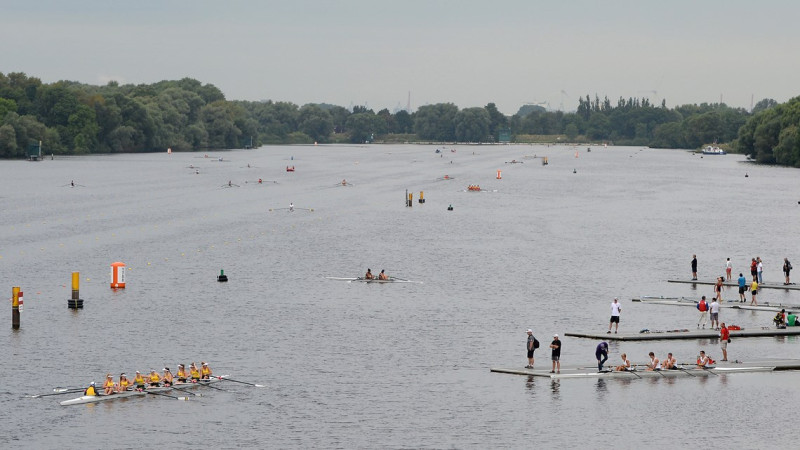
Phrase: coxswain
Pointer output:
(153, 379)
(368, 275)
(205, 371)
(123, 384)
(181, 374)
(138, 380)
(91, 391)
(194, 373)
(108, 385)
(168, 378)
(382, 276)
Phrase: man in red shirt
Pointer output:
(724, 336)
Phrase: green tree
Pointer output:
(472, 125)
(497, 120)
(8, 141)
(403, 123)
(436, 122)
(7, 106)
(363, 127)
(315, 122)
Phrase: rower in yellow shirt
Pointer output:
(194, 373)
(123, 384)
(205, 371)
(181, 374)
(168, 379)
(90, 390)
(138, 380)
(108, 385)
(153, 379)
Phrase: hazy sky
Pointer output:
(374, 52)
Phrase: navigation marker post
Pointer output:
(75, 302)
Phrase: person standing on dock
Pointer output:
(787, 267)
(754, 269)
(694, 267)
(742, 287)
(532, 345)
(754, 292)
(718, 289)
(724, 337)
(601, 353)
(616, 308)
(702, 306)
(728, 269)
(760, 270)
(713, 308)
(555, 354)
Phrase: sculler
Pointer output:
(153, 380)
(138, 380)
(383, 276)
(181, 374)
(123, 384)
(368, 275)
(108, 385)
(195, 374)
(205, 371)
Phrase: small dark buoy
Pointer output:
(450, 208)
(746, 175)
(222, 277)
(574, 171)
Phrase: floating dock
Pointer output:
(656, 335)
(733, 304)
(686, 370)
(790, 287)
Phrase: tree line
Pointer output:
(187, 115)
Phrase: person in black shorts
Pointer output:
(694, 267)
(555, 354)
(531, 346)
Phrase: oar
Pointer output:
(188, 392)
(684, 370)
(167, 395)
(62, 389)
(243, 382)
(69, 391)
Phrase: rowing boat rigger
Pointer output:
(134, 393)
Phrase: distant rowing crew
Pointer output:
(381, 276)
(141, 382)
(669, 363)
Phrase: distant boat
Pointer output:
(711, 150)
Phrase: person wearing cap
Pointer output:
(205, 371)
(108, 385)
(168, 378)
(91, 390)
(616, 308)
(382, 275)
(123, 384)
(601, 353)
(138, 380)
(555, 354)
(368, 275)
(533, 344)
(153, 379)
(194, 373)
(181, 374)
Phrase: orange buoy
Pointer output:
(117, 275)
(498, 175)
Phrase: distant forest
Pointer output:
(186, 115)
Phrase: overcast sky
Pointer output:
(374, 52)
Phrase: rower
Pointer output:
(138, 380)
(123, 384)
(108, 385)
(91, 391)
(194, 373)
(383, 276)
(626, 364)
(291, 207)
(205, 371)
(703, 361)
(670, 362)
(168, 378)
(153, 380)
(181, 374)
(654, 363)
(368, 275)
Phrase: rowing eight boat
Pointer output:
(154, 390)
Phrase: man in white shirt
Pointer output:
(759, 269)
(714, 310)
(616, 308)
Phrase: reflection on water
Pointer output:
(555, 388)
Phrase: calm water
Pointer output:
(349, 365)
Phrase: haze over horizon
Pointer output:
(373, 53)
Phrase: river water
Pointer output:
(402, 365)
